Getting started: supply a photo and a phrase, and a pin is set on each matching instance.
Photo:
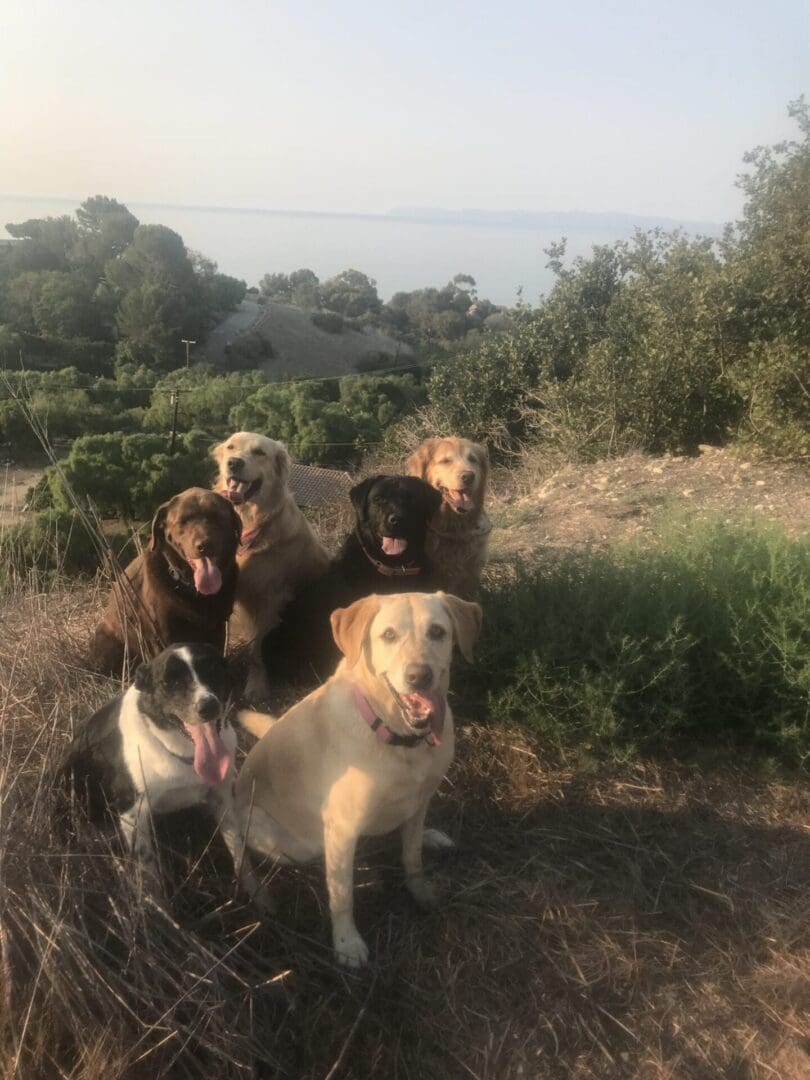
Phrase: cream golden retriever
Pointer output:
(458, 535)
(278, 554)
(363, 754)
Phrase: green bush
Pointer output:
(328, 321)
(376, 360)
(705, 637)
(663, 342)
(54, 544)
(128, 475)
(331, 422)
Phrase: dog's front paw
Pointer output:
(350, 949)
(436, 840)
(422, 891)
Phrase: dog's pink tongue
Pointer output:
(207, 578)
(391, 545)
(461, 500)
(211, 757)
(430, 707)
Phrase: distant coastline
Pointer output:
(404, 249)
(572, 220)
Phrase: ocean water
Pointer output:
(399, 255)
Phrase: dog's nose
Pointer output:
(208, 707)
(235, 464)
(419, 676)
(467, 478)
(393, 520)
(202, 546)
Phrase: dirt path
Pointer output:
(15, 480)
(212, 351)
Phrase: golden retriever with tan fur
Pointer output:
(363, 754)
(458, 535)
(278, 554)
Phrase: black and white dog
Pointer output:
(164, 744)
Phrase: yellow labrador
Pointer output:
(363, 754)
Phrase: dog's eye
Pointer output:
(445, 460)
(389, 634)
(436, 632)
(258, 452)
(473, 460)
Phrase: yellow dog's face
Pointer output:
(459, 469)
(251, 467)
(407, 641)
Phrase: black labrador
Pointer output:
(384, 553)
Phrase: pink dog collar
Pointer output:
(381, 730)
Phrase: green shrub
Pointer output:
(54, 544)
(128, 475)
(376, 360)
(328, 321)
(705, 637)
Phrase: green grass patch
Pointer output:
(703, 637)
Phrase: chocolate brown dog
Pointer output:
(180, 589)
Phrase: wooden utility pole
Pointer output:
(173, 400)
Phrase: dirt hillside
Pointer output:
(592, 505)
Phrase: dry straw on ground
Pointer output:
(650, 922)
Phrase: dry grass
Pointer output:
(648, 922)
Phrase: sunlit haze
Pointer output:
(359, 106)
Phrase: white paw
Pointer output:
(350, 950)
(436, 840)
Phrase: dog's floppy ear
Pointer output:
(349, 626)
(159, 523)
(283, 463)
(433, 499)
(359, 493)
(419, 460)
(466, 620)
(143, 678)
(236, 521)
(483, 453)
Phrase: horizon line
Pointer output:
(430, 215)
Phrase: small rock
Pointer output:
(687, 492)
(759, 483)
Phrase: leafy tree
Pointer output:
(206, 401)
(351, 294)
(329, 423)
(301, 288)
(276, 286)
(106, 229)
(305, 289)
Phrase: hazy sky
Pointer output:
(354, 105)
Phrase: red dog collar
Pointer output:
(248, 539)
